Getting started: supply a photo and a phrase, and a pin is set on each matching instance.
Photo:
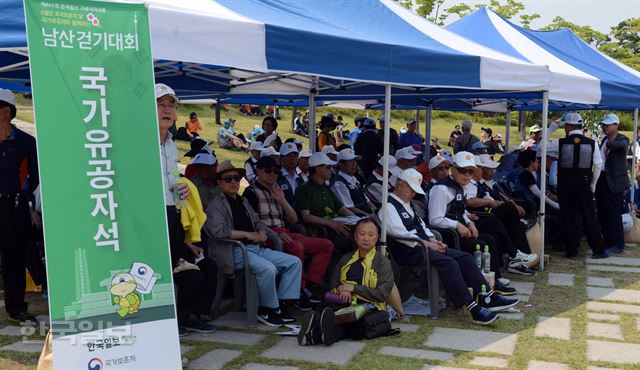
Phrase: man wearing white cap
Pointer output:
(288, 178)
(579, 164)
(17, 152)
(612, 184)
(330, 151)
(373, 187)
(456, 269)
(303, 164)
(347, 187)
(269, 151)
(250, 164)
(405, 157)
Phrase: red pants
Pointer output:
(320, 251)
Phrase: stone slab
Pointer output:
(599, 329)
(554, 327)
(523, 287)
(543, 365)
(609, 294)
(520, 297)
(511, 316)
(612, 307)
(18, 331)
(184, 349)
(559, 279)
(407, 328)
(609, 268)
(483, 341)
(43, 319)
(420, 354)
(598, 281)
(621, 261)
(25, 347)
(602, 317)
(601, 368)
(616, 352)
(432, 367)
(229, 337)
(214, 360)
(254, 366)
(287, 349)
(490, 361)
(237, 320)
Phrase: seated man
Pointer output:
(373, 188)
(347, 187)
(447, 210)
(303, 164)
(269, 202)
(406, 158)
(230, 216)
(250, 164)
(204, 166)
(318, 205)
(288, 178)
(457, 270)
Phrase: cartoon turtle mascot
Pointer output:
(123, 287)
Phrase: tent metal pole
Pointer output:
(312, 116)
(507, 132)
(635, 158)
(427, 134)
(418, 120)
(543, 173)
(385, 166)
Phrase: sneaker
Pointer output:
(305, 336)
(520, 269)
(480, 315)
(303, 304)
(494, 302)
(198, 326)
(615, 250)
(503, 289)
(269, 317)
(606, 254)
(327, 326)
(312, 298)
(182, 332)
(526, 258)
(504, 281)
(284, 314)
(23, 318)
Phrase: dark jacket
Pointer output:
(464, 142)
(382, 266)
(369, 146)
(616, 164)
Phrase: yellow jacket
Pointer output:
(192, 216)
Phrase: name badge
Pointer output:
(458, 197)
(284, 187)
(405, 215)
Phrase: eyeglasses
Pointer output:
(465, 171)
(230, 179)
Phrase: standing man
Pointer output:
(579, 166)
(465, 141)
(18, 180)
(369, 146)
(393, 136)
(612, 184)
(411, 136)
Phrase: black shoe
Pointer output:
(197, 326)
(481, 316)
(284, 314)
(605, 254)
(520, 269)
(305, 337)
(312, 298)
(304, 304)
(327, 326)
(23, 318)
(503, 289)
(269, 317)
(494, 302)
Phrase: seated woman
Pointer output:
(364, 276)
(228, 138)
(230, 216)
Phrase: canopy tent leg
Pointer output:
(507, 132)
(312, 117)
(217, 109)
(293, 118)
(418, 120)
(427, 134)
(635, 158)
(543, 173)
(385, 166)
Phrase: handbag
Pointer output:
(633, 235)
(376, 324)
(353, 313)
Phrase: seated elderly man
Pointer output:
(457, 270)
(406, 157)
(204, 167)
(269, 201)
(231, 216)
(447, 209)
(288, 178)
(373, 188)
(347, 187)
(250, 164)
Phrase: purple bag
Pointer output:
(333, 299)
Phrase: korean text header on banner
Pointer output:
(109, 272)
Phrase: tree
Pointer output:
(586, 33)
(625, 43)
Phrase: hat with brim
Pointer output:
(413, 178)
(464, 159)
(205, 158)
(405, 153)
(573, 119)
(198, 145)
(163, 90)
(436, 161)
(535, 128)
(227, 166)
(484, 160)
(256, 145)
(268, 152)
(347, 155)
(329, 149)
(7, 97)
(320, 159)
(305, 153)
(610, 119)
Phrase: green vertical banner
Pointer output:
(111, 295)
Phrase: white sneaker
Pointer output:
(504, 281)
(526, 258)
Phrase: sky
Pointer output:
(599, 14)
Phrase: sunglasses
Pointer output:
(230, 179)
(465, 171)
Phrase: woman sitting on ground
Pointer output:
(364, 276)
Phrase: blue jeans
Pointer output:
(266, 264)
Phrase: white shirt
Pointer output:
(471, 189)
(375, 190)
(342, 191)
(170, 173)
(250, 173)
(303, 176)
(291, 180)
(439, 197)
(395, 225)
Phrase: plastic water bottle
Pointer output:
(180, 203)
(486, 260)
(478, 257)
(483, 294)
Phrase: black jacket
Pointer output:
(616, 164)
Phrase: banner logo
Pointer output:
(95, 364)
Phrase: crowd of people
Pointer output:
(310, 221)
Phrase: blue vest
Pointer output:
(456, 207)
(356, 192)
(289, 194)
(401, 253)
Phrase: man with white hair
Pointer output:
(465, 141)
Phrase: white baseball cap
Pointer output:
(464, 159)
(610, 119)
(413, 151)
(329, 149)
(268, 152)
(305, 153)
(413, 178)
(347, 154)
(256, 145)
(392, 161)
(484, 160)
(405, 153)
(319, 159)
(7, 96)
(573, 119)
(436, 161)
(162, 90)
(288, 148)
(204, 158)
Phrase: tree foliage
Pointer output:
(586, 33)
